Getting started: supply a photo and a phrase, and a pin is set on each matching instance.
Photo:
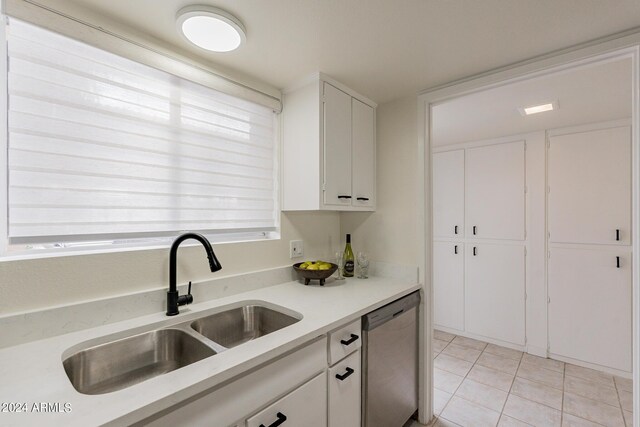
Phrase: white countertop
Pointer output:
(32, 373)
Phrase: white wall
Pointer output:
(40, 283)
(389, 234)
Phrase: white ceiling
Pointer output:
(590, 94)
(385, 49)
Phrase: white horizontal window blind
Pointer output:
(100, 145)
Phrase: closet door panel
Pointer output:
(494, 291)
(495, 191)
(590, 187)
(590, 313)
(448, 194)
(448, 284)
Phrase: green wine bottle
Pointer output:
(348, 259)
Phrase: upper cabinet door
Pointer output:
(364, 148)
(590, 187)
(448, 194)
(495, 191)
(337, 146)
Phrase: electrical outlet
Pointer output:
(296, 248)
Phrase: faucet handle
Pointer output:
(189, 290)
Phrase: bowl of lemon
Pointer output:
(315, 270)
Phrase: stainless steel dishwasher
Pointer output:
(390, 363)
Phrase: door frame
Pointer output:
(622, 45)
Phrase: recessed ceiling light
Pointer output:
(540, 108)
(210, 28)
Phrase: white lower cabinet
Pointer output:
(344, 392)
(495, 291)
(232, 404)
(305, 406)
(344, 375)
(318, 385)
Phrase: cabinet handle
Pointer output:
(617, 262)
(617, 234)
(344, 376)
(474, 230)
(281, 419)
(353, 338)
(344, 197)
(455, 249)
(364, 199)
(455, 229)
(474, 251)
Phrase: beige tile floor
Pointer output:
(480, 384)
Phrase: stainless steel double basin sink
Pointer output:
(121, 363)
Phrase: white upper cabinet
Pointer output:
(328, 144)
(495, 191)
(590, 187)
(363, 154)
(448, 194)
(337, 147)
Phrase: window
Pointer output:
(106, 151)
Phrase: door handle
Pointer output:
(474, 251)
(455, 249)
(353, 338)
(281, 419)
(364, 199)
(344, 376)
(617, 262)
(455, 229)
(344, 197)
(617, 234)
(474, 230)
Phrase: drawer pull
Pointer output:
(617, 262)
(353, 338)
(474, 230)
(475, 252)
(455, 229)
(344, 376)
(344, 197)
(281, 419)
(617, 234)
(364, 199)
(455, 250)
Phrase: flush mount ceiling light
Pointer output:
(210, 28)
(540, 108)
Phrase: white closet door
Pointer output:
(590, 187)
(337, 146)
(494, 291)
(590, 310)
(364, 148)
(448, 194)
(495, 191)
(448, 284)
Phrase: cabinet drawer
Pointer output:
(305, 406)
(344, 392)
(344, 341)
